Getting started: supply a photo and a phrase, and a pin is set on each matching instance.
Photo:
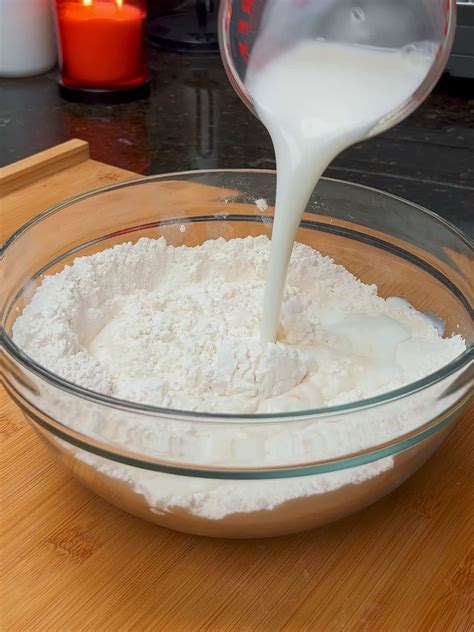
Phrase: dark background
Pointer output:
(194, 120)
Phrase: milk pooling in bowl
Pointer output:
(316, 99)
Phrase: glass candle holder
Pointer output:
(102, 48)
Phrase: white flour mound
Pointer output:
(179, 328)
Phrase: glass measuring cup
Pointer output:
(266, 28)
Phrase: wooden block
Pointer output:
(24, 172)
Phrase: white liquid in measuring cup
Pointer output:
(316, 99)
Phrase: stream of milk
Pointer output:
(316, 99)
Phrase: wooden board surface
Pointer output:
(73, 563)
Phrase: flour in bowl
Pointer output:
(178, 327)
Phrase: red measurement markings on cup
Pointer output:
(243, 29)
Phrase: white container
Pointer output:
(27, 37)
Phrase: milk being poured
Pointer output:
(316, 99)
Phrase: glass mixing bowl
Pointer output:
(237, 475)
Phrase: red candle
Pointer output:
(102, 43)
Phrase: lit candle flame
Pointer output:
(88, 3)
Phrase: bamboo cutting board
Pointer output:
(73, 563)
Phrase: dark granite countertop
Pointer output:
(194, 120)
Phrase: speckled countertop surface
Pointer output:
(194, 120)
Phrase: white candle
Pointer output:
(27, 37)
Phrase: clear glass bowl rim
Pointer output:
(22, 358)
